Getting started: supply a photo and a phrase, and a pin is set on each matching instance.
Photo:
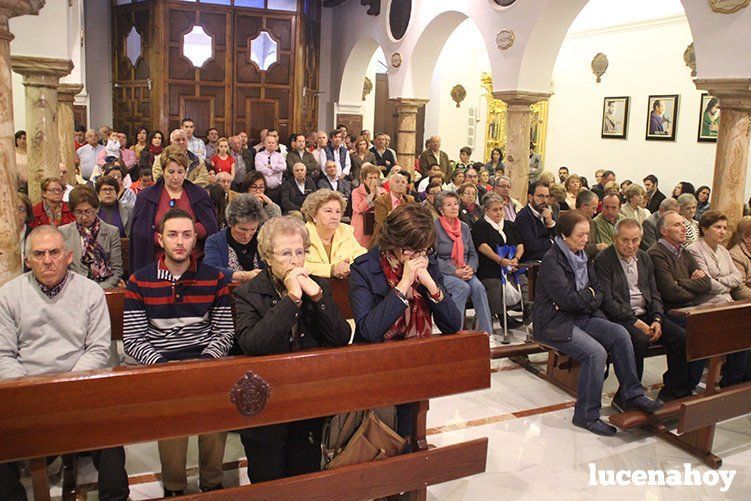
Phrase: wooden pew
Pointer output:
(712, 331)
(67, 413)
(125, 251)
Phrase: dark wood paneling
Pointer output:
(385, 111)
(353, 122)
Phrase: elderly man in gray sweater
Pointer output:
(52, 320)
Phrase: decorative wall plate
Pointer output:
(458, 93)
(505, 39)
(599, 65)
(396, 59)
(689, 57)
(728, 6)
(367, 88)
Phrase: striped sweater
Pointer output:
(176, 319)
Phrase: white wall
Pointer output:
(55, 32)
(461, 62)
(377, 65)
(645, 59)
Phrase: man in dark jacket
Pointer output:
(631, 298)
(535, 223)
(655, 196)
(298, 154)
(296, 189)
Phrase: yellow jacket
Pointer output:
(344, 247)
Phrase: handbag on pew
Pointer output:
(361, 437)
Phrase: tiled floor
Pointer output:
(534, 451)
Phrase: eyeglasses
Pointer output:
(411, 252)
(108, 190)
(87, 212)
(540, 196)
(258, 187)
(288, 254)
(54, 190)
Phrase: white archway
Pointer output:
(355, 69)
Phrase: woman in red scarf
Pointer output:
(52, 210)
(458, 260)
(396, 289)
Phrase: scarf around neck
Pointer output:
(497, 227)
(93, 255)
(578, 262)
(416, 321)
(454, 232)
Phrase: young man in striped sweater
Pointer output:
(176, 309)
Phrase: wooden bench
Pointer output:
(66, 413)
(712, 331)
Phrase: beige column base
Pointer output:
(731, 156)
(518, 121)
(66, 94)
(406, 109)
(41, 77)
(10, 256)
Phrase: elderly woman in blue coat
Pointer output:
(396, 289)
(567, 317)
(234, 250)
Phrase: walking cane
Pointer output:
(503, 252)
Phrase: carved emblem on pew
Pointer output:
(250, 394)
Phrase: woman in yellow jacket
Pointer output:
(333, 246)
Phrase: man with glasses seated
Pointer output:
(52, 320)
(535, 223)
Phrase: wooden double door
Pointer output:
(229, 91)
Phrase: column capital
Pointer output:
(15, 8)
(67, 91)
(405, 103)
(41, 71)
(520, 97)
(733, 93)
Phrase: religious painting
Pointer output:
(709, 118)
(614, 117)
(662, 117)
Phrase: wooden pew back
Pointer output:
(714, 330)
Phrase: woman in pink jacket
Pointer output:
(363, 203)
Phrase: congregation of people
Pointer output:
(420, 246)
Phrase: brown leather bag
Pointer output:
(360, 437)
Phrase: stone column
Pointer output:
(41, 76)
(10, 258)
(66, 94)
(406, 109)
(518, 121)
(731, 156)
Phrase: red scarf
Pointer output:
(156, 150)
(454, 231)
(416, 321)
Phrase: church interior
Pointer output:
(576, 96)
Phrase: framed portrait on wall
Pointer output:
(662, 117)
(709, 118)
(614, 117)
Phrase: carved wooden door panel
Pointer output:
(132, 39)
(199, 68)
(264, 45)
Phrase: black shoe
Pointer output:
(598, 427)
(644, 404)
(170, 494)
(217, 487)
(512, 323)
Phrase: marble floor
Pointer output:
(534, 451)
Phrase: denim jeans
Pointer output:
(460, 290)
(592, 340)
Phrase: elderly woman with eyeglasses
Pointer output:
(285, 309)
(112, 210)
(171, 190)
(97, 254)
(687, 208)
(255, 184)
(333, 246)
(52, 210)
(234, 250)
